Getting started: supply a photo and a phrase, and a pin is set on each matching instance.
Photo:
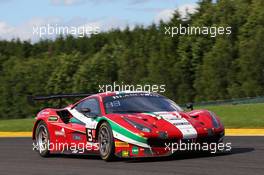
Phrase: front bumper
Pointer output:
(161, 147)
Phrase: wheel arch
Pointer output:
(35, 127)
(98, 126)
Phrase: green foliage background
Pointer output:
(194, 68)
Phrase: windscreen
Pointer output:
(137, 103)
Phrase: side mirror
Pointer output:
(189, 106)
(85, 110)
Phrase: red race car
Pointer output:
(122, 124)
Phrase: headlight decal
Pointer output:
(137, 125)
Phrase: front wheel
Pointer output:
(106, 142)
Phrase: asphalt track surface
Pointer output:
(247, 157)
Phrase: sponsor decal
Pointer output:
(76, 137)
(44, 113)
(125, 154)
(60, 133)
(186, 128)
(121, 144)
(125, 95)
(111, 104)
(134, 150)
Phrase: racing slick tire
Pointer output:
(106, 142)
(42, 139)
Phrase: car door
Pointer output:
(83, 125)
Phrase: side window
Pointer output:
(92, 104)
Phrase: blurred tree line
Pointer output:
(193, 67)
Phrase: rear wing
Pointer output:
(32, 99)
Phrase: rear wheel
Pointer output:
(106, 142)
(42, 139)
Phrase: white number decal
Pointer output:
(89, 135)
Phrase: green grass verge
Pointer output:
(239, 116)
(233, 116)
(16, 124)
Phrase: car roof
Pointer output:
(108, 94)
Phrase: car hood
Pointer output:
(171, 124)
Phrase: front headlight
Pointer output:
(214, 120)
(137, 125)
